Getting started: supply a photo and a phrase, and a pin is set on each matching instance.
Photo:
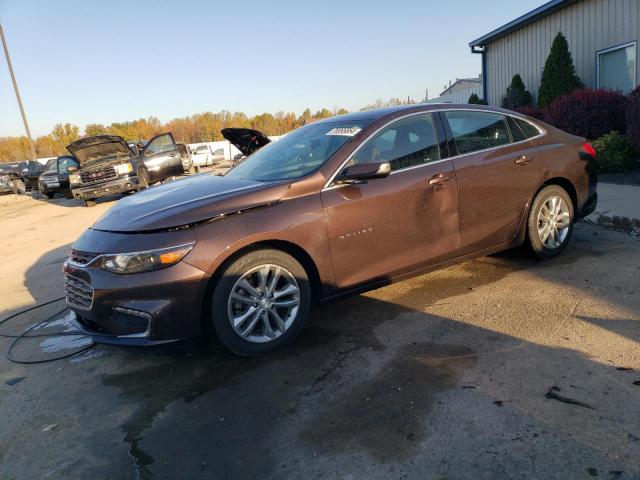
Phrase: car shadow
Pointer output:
(377, 385)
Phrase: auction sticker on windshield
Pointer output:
(344, 131)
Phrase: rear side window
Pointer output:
(528, 129)
(474, 131)
(408, 142)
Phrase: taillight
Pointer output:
(589, 150)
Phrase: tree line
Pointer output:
(201, 127)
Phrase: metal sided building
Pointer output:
(602, 37)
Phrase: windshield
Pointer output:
(298, 153)
(51, 164)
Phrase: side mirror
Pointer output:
(148, 153)
(72, 169)
(366, 171)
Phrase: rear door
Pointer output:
(218, 155)
(496, 176)
(162, 158)
(388, 226)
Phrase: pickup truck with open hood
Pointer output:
(109, 166)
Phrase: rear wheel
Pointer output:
(550, 222)
(261, 302)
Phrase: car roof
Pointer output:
(378, 113)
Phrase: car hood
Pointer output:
(49, 173)
(93, 149)
(187, 201)
(245, 139)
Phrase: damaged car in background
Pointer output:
(55, 178)
(108, 165)
(11, 180)
(336, 207)
(246, 140)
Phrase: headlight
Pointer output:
(74, 178)
(124, 168)
(135, 262)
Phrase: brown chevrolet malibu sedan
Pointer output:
(336, 207)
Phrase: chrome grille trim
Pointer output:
(78, 293)
(97, 175)
(79, 258)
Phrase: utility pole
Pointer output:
(15, 87)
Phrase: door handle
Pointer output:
(172, 155)
(439, 179)
(522, 160)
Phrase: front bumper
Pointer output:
(105, 189)
(139, 309)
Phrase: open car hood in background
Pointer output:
(95, 148)
(245, 139)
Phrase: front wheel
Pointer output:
(261, 302)
(19, 187)
(550, 222)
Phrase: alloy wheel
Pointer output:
(554, 219)
(263, 303)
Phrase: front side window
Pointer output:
(160, 144)
(617, 68)
(218, 152)
(408, 142)
(297, 153)
(474, 131)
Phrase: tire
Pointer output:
(89, 203)
(542, 221)
(19, 187)
(49, 195)
(274, 325)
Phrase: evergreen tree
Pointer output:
(517, 94)
(476, 100)
(559, 75)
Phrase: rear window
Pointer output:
(473, 131)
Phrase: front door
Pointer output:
(162, 158)
(63, 164)
(388, 226)
(496, 176)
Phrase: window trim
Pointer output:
(633, 44)
(541, 132)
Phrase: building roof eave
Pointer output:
(522, 21)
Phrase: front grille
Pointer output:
(50, 181)
(79, 294)
(81, 258)
(97, 175)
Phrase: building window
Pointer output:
(617, 68)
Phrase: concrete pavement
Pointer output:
(444, 376)
(618, 206)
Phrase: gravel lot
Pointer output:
(444, 376)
